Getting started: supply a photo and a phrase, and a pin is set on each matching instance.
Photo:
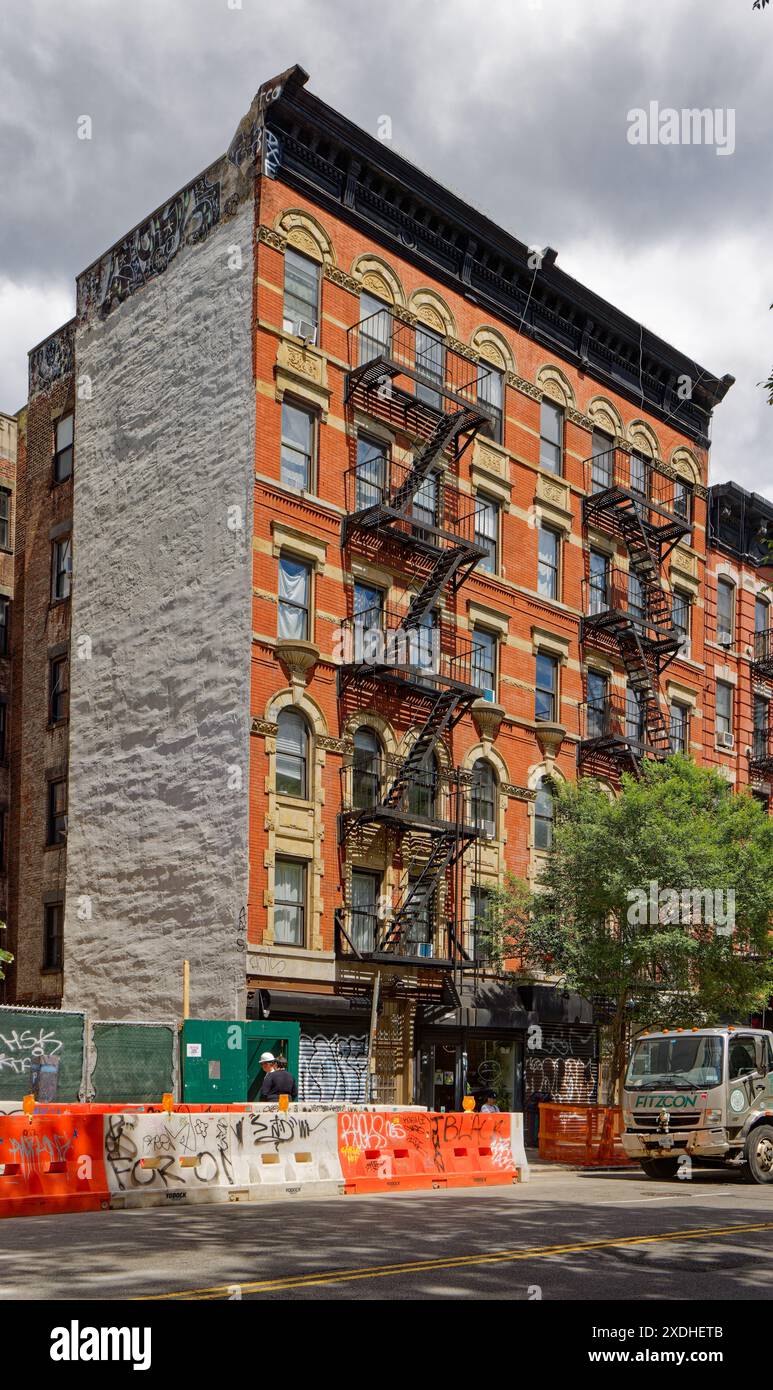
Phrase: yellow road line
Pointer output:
(301, 1281)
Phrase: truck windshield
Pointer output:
(682, 1064)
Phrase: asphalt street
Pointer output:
(564, 1235)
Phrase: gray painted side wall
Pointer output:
(157, 853)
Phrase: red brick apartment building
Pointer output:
(475, 498)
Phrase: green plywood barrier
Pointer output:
(26, 1035)
(220, 1059)
(132, 1061)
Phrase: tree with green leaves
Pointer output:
(655, 904)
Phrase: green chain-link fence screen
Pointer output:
(132, 1061)
(26, 1035)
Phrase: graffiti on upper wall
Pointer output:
(333, 1068)
(52, 360)
(146, 252)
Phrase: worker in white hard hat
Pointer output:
(278, 1081)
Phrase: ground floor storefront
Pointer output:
(523, 1043)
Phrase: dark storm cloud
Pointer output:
(519, 107)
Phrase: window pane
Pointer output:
(543, 818)
(291, 746)
(486, 531)
(376, 331)
(484, 797)
(547, 568)
(601, 469)
(301, 290)
(483, 665)
(551, 436)
(371, 472)
(638, 473)
(725, 595)
(289, 902)
(293, 598)
(546, 687)
(490, 394)
(64, 432)
(297, 435)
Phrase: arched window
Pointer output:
(366, 770)
(422, 795)
(484, 790)
(544, 815)
(292, 753)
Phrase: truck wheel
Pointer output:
(662, 1169)
(758, 1151)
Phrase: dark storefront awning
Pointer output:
(293, 1003)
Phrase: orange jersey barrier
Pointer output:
(585, 1135)
(408, 1150)
(51, 1163)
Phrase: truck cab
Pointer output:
(700, 1096)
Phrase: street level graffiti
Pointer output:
(333, 1068)
(19, 1048)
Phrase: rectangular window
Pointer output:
(682, 499)
(301, 294)
(491, 395)
(430, 362)
(423, 646)
(546, 683)
(484, 660)
(375, 329)
(297, 447)
(371, 472)
(725, 613)
(598, 686)
(57, 812)
(424, 506)
(365, 894)
(53, 936)
(61, 568)
(294, 593)
(637, 606)
(63, 443)
(289, 902)
(487, 531)
(58, 689)
(724, 708)
(368, 623)
(548, 563)
(551, 431)
(602, 466)
(761, 615)
(599, 582)
(680, 725)
(480, 942)
(420, 927)
(639, 470)
(760, 739)
(635, 722)
(680, 613)
(5, 623)
(5, 519)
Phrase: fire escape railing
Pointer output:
(762, 659)
(407, 375)
(629, 497)
(761, 759)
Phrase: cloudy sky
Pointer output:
(520, 106)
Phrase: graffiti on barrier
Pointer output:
(36, 1153)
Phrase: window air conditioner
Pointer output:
(726, 740)
(306, 330)
(725, 639)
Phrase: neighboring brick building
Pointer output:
(40, 663)
(475, 497)
(8, 451)
(739, 645)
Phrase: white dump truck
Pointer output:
(700, 1096)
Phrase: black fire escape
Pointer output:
(627, 613)
(412, 656)
(761, 760)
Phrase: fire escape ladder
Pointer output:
(641, 680)
(646, 567)
(443, 571)
(445, 850)
(445, 432)
(429, 736)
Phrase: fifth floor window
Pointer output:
(725, 606)
(61, 569)
(551, 431)
(487, 531)
(63, 449)
(294, 592)
(301, 294)
(490, 395)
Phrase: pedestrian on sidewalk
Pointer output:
(278, 1081)
(489, 1106)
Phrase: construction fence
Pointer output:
(67, 1057)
